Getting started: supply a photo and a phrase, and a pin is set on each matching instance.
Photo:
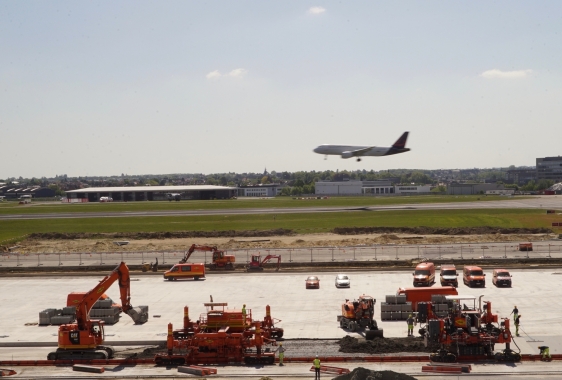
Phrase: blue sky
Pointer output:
(139, 87)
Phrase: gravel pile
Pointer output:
(349, 344)
(438, 230)
(361, 373)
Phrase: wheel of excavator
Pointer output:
(52, 356)
(249, 360)
(342, 323)
(352, 326)
(229, 266)
(279, 334)
(373, 325)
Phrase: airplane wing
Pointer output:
(360, 152)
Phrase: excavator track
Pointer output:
(78, 355)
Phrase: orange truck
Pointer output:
(415, 295)
(185, 271)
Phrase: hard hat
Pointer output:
(316, 355)
(410, 315)
(280, 344)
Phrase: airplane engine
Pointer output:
(347, 155)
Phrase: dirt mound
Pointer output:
(159, 235)
(361, 373)
(349, 344)
(485, 230)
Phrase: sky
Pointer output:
(153, 87)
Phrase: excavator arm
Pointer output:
(271, 258)
(120, 273)
(196, 247)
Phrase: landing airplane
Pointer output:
(348, 151)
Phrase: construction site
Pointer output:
(228, 319)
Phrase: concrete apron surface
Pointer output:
(305, 314)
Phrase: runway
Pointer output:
(538, 202)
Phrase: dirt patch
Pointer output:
(150, 242)
(361, 373)
(349, 344)
(159, 235)
(485, 230)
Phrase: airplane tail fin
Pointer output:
(401, 142)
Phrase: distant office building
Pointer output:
(472, 188)
(549, 168)
(413, 189)
(521, 176)
(353, 187)
(266, 190)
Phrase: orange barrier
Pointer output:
(441, 369)
(328, 369)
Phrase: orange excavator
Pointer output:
(256, 264)
(84, 339)
(219, 259)
(360, 314)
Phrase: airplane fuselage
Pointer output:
(348, 151)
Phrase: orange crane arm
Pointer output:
(196, 247)
(270, 258)
(121, 273)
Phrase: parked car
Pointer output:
(473, 276)
(343, 281)
(424, 275)
(312, 282)
(448, 275)
(501, 277)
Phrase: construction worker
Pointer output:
(410, 321)
(281, 350)
(316, 363)
(515, 312)
(244, 313)
(517, 325)
(545, 352)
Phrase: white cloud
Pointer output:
(316, 10)
(495, 73)
(213, 75)
(238, 73)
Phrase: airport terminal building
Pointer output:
(151, 193)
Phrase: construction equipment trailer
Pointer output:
(219, 336)
(220, 260)
(84, 339)
(360, 314)
(257, 264)
(468, 333)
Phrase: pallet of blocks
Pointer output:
(396, 308)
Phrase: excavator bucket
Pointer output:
(372, 334)
(138, 315)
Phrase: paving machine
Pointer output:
(219, 336)
(84, 339)
(468, 333)
(256, 264)
(360, 314)
(220, 260)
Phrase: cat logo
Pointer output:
(74, 337)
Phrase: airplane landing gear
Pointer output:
(358, 160)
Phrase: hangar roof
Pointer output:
(166, 189)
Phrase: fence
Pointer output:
(484, 251)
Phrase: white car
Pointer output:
(343, 281)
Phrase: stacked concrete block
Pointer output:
(438, 298)
(103, 304)
(62, 319)
(395, 308)
(46, 315)
(69, 310)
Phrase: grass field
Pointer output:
(280, 202)
(302, 223)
